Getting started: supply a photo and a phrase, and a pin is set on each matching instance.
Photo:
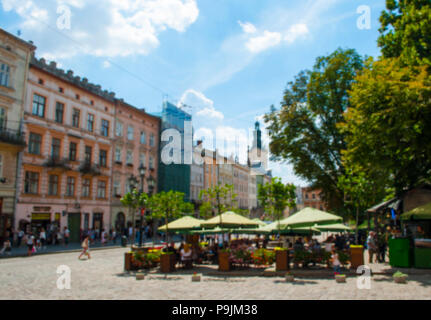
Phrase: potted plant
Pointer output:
(340, 278)
(140, 276)
(196, 277)
(281, 259)
(289, 277)
(399, 277)
(223, 260)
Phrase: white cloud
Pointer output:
(201, 105)
(263, 42)
(247, 27)
(106, 64)
(107, 28)
(295, 32)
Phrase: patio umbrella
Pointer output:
(419, 213)
(229, 220)
(183, 224)
(273, 228)
(259, 230)
(261, 223)
(310, 217)
(216, 230)
(335, 227)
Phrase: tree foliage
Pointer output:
(304, 131)
(275, 197)
(220, 197)
(134, 200)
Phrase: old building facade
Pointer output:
(15, 55)
(66, 168)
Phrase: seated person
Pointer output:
(186, 256)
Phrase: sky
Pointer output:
(226, 61)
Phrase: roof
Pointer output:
(384, 205)
(27, 44)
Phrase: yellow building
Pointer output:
(15, 55)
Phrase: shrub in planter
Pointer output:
(262, 257)
(196, 277)
(240, 256)
(303, 257)
(400, 277)
(340, 278)
(289, 277)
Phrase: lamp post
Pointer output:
(142, 171)
(132, 185)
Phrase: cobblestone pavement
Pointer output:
(102, 277)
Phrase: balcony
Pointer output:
(90, 168)
(54, 162)
(13, 137)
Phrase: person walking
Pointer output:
(42, 237)
(103, 238)
(85, 248)
(30, 244)
(7, 248)
(335, 262)
(66, 236)
(114, 236)
(372, 246)
(20, 236)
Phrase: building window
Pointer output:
(75, 117)
(130, 133)
(86, 185)
(152, 138)
(117, 154)
(2, 118)
(119, 129)
(142, 159)
(77, 96)
(39, 104)
(101, 190)
(55, 148)
(143, 137)
(129, 157)
(88, 154)
(60, 89)
(90, 122)
(34, 144)
(313, 196)
(72, 151)
(53, 185)
(117, 191)
(70, 187)
(4, 75)
(105, 128)
(102, 158)
(59, 111)
(151, 162)
(31, 184)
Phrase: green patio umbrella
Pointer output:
(273, 228)
(216, 230)
(261, 223)
(183, 224)
(310, 217)
(419, 213)
(229, 220)
(335, 227)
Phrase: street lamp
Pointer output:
(151, 183)
(142, 171)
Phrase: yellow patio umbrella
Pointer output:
(229, 220)
(182, 224)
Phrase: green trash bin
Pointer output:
(400, 252)
(422, 253)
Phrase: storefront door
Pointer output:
(98, 221)
(74, 224)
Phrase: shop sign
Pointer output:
(40, 216)
(41, 209)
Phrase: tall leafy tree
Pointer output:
(406, 31)
(169, 205)
(275, 197)
(304, 131)
(219, 197)
(134, 200)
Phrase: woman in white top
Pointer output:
(42, 237)
(335, 262)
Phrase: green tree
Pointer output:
(304, 131)
(388, 127)
(406, 31)
(220, 197)
(133, 201)
(275, 197)
(169, 205)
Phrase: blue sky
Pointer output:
(228, 59)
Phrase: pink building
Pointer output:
(136, 145)
(65, 175)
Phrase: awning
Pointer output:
(420, 213)
(394, 203)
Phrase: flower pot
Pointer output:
(223, 261)
(140, 276)
(281, 260)
(356, 257)
(400, 279)
(196, 278)
(128, 261)
(290, 278)
(340, 279)
(167, 263)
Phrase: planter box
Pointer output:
(290, 278)
(400, 279)
(339, 279)
(356, 257)
(140, 276)
(281, 260)
(223, 261)
(167, 263)
(128, 261)
(196, 278)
